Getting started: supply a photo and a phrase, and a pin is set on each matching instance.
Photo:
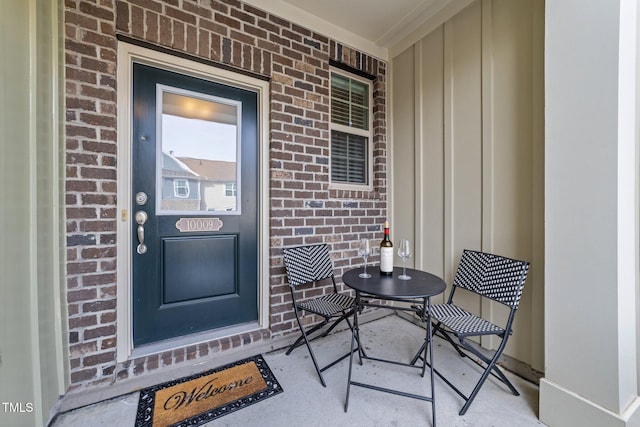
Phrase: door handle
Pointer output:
(141, 218)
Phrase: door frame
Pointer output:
(127, 55)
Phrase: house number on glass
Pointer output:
(186, 225)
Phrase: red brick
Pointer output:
(148, 4)
(99, 147)
(83, 375)
(165, 31)
(137, 21)
(227, 21)
(97, 225)
(179, 40)
(80, 20)
(96, 12)
(81, 75)
(101, 40)
(152, 21)
(122, 16)
(98, 358)
(81, 213)
(94, 253)
(83, 321)
(98, 279)
(99, 93)
(180, 15)
(82, 295)
(191, 38)
(81, 267)
(242, 16)
(197, 10)
(98, 173)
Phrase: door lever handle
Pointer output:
(141, 218)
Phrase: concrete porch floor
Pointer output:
(305, 402)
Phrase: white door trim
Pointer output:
(127, 55)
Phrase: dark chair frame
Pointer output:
(490, 276)
(307, 265)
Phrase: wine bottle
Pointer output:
(386, 252)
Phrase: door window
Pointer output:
(199, 148)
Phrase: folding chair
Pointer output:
(490, 276)
(307, 265)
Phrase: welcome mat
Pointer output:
(201, 398)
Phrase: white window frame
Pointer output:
(368, 186)
(177, 186)
(231, 187)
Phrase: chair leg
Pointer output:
(337, 322)
(305, 337)
(476, 389)
(306, 340)
(446, 336)
(443, 334)
(298, 342)
(490, 368)
(493, 363)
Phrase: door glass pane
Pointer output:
(198, 153)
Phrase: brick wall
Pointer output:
(303, 207)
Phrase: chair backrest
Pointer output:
(306, 264)
(493, 276)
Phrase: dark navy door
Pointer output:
(195, 195)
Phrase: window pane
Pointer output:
(339, 87)
(359, 118)
(349, 158)
(199, 138)
(339, 112)
(349, 102)
(359, 93)
(181, 188)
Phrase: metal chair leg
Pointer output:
(493, 364)
(313, 357)
(298, 342)
(479, 384)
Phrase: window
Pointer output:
(199, 138)
(181, 188)
(350, 131)
(230, 190)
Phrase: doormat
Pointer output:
(201, 398)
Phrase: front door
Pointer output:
(195, 197)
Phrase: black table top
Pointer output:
(421, 284)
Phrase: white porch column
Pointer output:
(591, 237)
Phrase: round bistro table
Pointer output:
(419, 289)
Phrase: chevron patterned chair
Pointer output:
(306, 266)
(490, 276)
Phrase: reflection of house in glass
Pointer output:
(180, 186)
(190, 184)
(217, 183)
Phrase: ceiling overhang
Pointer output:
(380, 28)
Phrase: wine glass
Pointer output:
(404, 252)
(364, 251)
